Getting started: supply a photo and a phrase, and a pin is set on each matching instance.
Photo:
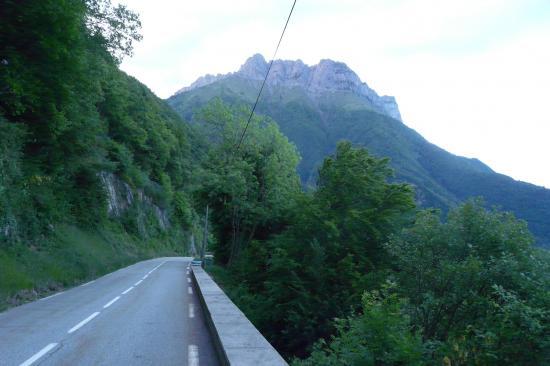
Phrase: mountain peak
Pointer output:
(327, 76)
(254, 68)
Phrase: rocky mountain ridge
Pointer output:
(318, 80)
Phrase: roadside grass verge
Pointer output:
(72, 256)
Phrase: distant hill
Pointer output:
(316, 106)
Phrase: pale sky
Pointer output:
(471, 76)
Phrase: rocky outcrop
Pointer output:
(202, 81)
(121, 197)
(318, 80)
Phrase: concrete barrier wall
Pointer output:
(237, 341)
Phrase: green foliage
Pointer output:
(468, 291)
(353, 194)
(183, 210)
(249, 189)
(381, 335)
(81, 117)
(477, 290)
(114, 28)
(331, 252)
(12, 193)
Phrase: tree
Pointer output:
(381, 335)
(248, 189)
(114, 28)
(332, 251)
(477, 290)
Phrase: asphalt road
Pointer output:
(144, 314)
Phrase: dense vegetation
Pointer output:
(440, 179)
(69, 117)
(249, 187)
(348, 273)
(468, 291)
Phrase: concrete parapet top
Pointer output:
(239, 343)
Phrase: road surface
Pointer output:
(144, 314)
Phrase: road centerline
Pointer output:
(83, 323)
(128, 290)
(193, 355)
(111, 302)
(39, 354)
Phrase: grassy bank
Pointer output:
(71, 256)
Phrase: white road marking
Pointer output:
(111, 302)
(54, 295)
(39, 354)
(192, 355)
(87, 283)
(138, 282)
(191, 310)
(82, 323)
(157, 266)
(190, 290)
(144, 277)
(188, 280)
(128, 290)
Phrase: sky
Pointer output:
(471, 76)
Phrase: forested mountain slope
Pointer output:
(94, 168)
(319, 105)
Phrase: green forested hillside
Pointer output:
(356, 275)
(441, 179)
(69, 116)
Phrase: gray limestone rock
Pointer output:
(317, 80)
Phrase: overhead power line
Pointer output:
(265, 79)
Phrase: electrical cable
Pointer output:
(265, 79)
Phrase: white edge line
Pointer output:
(87, 283)
(128, 290)
(191, 310)
(82, 323)
(54, 295)
(190, 290)
(111, 302)
(39, 354)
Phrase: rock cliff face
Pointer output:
(121, 197)
(318, 80)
